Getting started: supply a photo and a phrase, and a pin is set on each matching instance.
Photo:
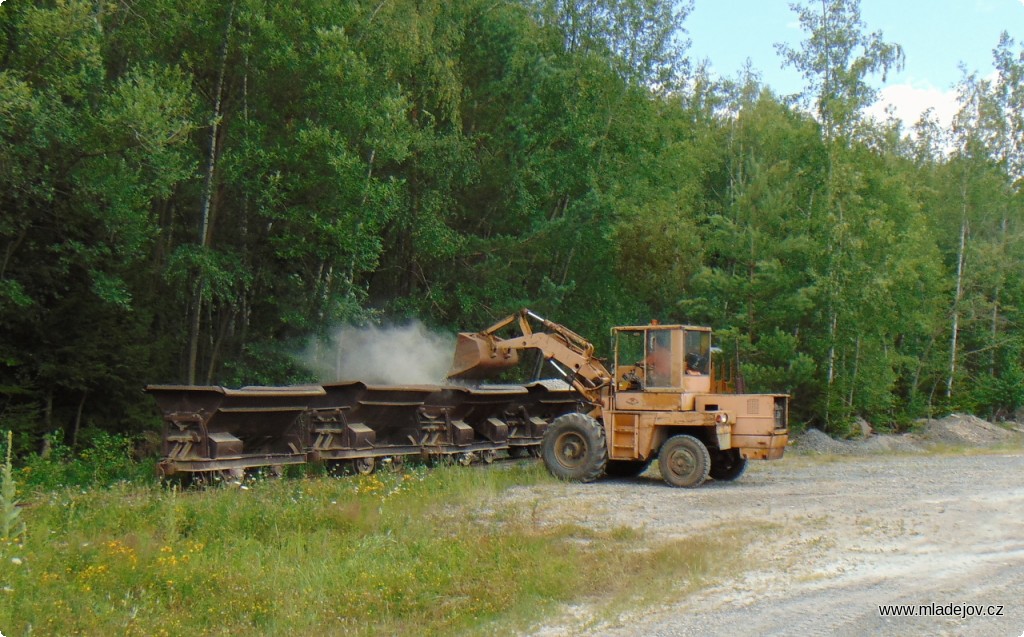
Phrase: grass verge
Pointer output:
(392, 553)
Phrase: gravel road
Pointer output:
(841, 536)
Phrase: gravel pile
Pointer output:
(817, 441)
(958, 429)
(955, 429)
(902, 443)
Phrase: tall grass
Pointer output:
(12, 527)
(411, 552)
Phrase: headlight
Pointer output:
(721, 417)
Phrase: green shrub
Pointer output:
(106, 459)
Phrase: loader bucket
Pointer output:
(475, 358)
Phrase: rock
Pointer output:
(863, 427)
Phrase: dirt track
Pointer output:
(840, 537)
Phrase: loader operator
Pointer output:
(693, 364)
(659, 359)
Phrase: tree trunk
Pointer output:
(48, 411)
(225, 329)
(996, 294)
(833, 320)
(960, 263)
(204, 232)
(78, 419)
(853, 378)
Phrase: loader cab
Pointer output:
(661, 366)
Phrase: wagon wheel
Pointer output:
(397, 463)
(364, 466)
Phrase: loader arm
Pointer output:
(484, 353)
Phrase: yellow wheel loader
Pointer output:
(660, 400)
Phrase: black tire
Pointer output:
(573, 448)
(684, 461)
(626, 468)
(728, 465)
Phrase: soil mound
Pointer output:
(956, 429)
(960, 429)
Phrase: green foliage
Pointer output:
(193, 190)
(106, 459)
(776, 364)
(999, 393)
(836, 59)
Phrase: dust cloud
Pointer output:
(395, 355)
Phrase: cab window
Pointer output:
(698, 353)
(659, 358)
(649, 352)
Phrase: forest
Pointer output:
(193, 191)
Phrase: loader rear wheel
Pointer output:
(684, 461)
(626, 468)
(728, 465)
(573, 448)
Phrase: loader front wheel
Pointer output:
(728, 465)
(684, 461)
(573, 448)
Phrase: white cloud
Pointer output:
(910, 100)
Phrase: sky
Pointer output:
(937, 36)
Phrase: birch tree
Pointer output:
(836, 60)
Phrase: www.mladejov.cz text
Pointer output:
(941, 610)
